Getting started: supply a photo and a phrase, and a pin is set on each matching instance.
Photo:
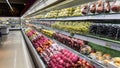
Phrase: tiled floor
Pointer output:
(13, 52)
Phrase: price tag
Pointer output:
(100, 17)
(91, 17)
(113, 45)
(108, 45)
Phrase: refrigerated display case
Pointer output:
(94, 22)
(4, 29)
(11, 22)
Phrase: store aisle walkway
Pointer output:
(13, 52)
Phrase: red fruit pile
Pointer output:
(71, 42)
(66, 59)
(40, 42)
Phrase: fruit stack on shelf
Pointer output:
(51, 14)
(73, 27)
(55, 56)
(66, 12)
(91, 8)
(110, 31)
(106, 30)
(77, 11)
(48, 32)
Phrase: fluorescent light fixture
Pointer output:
(39, 6)
(9, 5)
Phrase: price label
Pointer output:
(91, 17)
(113, 45)
(99, 16)
(108, 45)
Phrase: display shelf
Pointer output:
(37, 58)
(91, 17)
(105, 43)
(60, 5)
(103, 38)
(4, 29)
(113, 16)
(14, 28)
(65, 18)
(99, 41)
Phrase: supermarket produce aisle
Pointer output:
(13, 52)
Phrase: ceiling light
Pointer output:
(9, 5)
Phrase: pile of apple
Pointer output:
(66, 12)
(48, 32)
(71, 42)
(101, 6)
(67, 59)
(63, 58)
(84, 9)
(42, 43)
(39, 41)
(31, 33)
(73, 27)
(77, 11)
(52, 14)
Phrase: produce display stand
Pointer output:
(4, 29)
(111, 17)
(37, 59)
(14, 29)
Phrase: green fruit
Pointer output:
(76, 27)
